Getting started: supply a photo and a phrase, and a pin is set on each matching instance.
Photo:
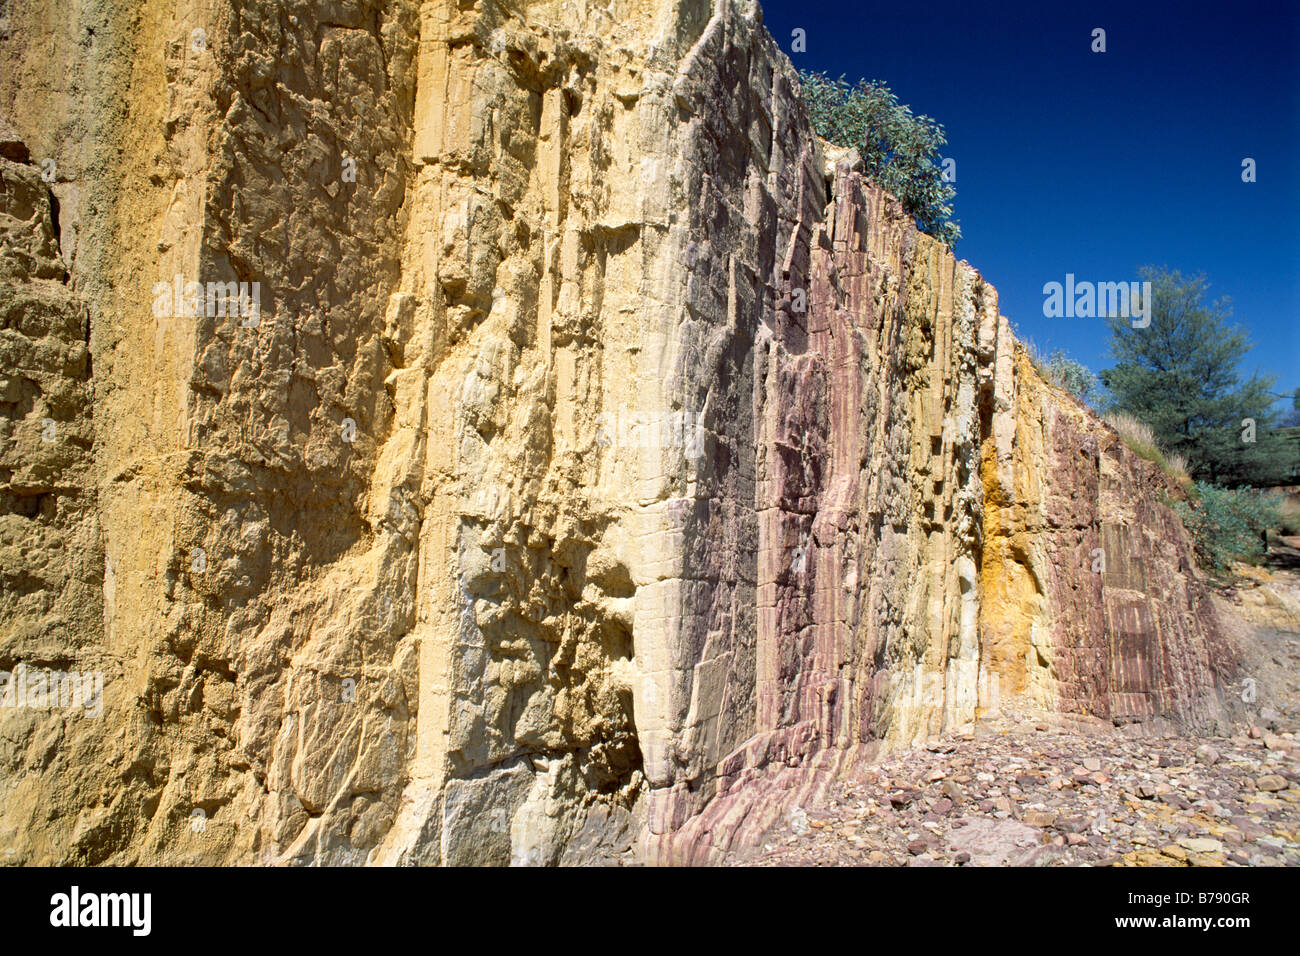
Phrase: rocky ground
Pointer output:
(1021, 793)
(1033, 790)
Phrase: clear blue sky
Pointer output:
(1097, 163)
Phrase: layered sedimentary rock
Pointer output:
(1091, 603)
(604, 464)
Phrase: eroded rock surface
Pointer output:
(607, 467)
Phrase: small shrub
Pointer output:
(1064, 372)
(1229, 524)
(1075, 377)
(900, 151)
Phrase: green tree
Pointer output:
(900, 151)
(1292, 418)
(1179, 375)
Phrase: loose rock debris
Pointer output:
(1022, 792)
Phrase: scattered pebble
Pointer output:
(1024, 793)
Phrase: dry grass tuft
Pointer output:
(1142, 441)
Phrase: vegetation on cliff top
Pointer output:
(900, 151)
(1177, 399)
(1174, 394)
(1064, 372)
(1179, 376)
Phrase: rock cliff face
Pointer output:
(603, 463)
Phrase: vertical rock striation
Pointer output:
(607, 465)
(1092, 605)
